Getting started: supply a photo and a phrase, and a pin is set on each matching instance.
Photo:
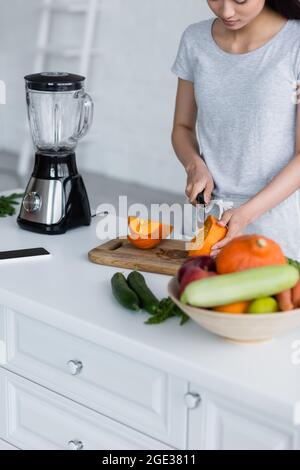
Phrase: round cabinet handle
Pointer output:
(192, 400)
(75, 367)
(75, 445)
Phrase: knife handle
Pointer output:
(200, 198)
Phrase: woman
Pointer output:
(239, 79)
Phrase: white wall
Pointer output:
(131, 81)
(17, 35)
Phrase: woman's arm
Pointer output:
(185, 144)
(280, 188)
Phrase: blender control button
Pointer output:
(32, 202)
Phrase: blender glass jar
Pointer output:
(59, 111)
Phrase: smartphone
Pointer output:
(25, 253)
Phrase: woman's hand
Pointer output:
(236, 220)
(198, 179)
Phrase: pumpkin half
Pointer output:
(146, 234)
(207, 237)
(249, 251)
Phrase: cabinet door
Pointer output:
(217, 424)
(33, 418)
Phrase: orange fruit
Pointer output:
(206, 238)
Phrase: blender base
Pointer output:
(55, 200)
(58, 229)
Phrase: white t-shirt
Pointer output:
(247, 106)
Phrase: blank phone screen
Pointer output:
(26, 253)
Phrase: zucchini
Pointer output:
(123, 294)
(147, 299)
(240, 286)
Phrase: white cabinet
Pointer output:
(87, 396)
(217, 424)
(2, 336)
(32, 417)
(119, 387)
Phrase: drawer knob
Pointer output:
(75, 445)
(75, 367)
(192, 400)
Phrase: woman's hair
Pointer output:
(288, 8)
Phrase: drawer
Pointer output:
(6, 446)
(117, 386)
(35, 418)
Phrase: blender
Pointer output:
(60, 113)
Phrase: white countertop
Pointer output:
(69, 292)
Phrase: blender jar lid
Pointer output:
(54, 81)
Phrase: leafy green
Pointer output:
(165, 310)
(7, 204)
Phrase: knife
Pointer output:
(199, 220)
(198, 216)
(200, 212)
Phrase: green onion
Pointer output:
(7, 204)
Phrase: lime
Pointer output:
(263, 305)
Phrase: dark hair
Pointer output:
(288, 8)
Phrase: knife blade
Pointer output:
(200, 215)
(200, 211)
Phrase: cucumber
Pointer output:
(147, 299)
(123, 294)
(239, 286)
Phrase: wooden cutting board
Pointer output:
(166, 258)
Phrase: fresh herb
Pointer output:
(7, 204)
(165, 310)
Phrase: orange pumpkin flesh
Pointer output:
(205, 240)
(143, 244)
(146, 234)
(248, 251)
(143, 229)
